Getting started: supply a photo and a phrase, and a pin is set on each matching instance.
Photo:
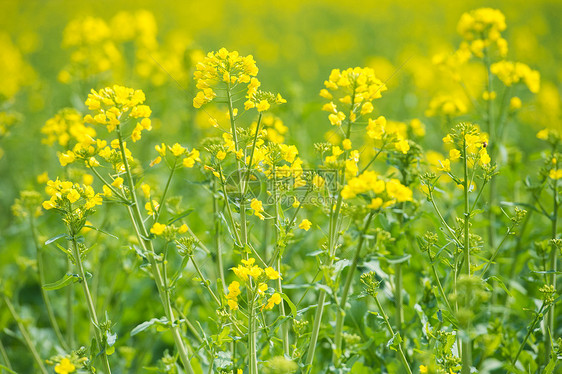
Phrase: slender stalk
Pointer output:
(90, 303)
(529, 331)
(157, 215)
(398, 298)
(218, 248)
(345, 292)
(466, 343)
(5, 357)
(284, 326)
(142, 235)
(25, 335)
(391, 331)
(252, 336)
(69, 308)
(44, 295)
(551, 317)
(493, 146)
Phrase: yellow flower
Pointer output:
(555, 174)
(423, 369)
(183, 229)
(346, 144)
(375, 204)
(73, 196)
(543, 134)
(65, 367)
(445, 165)
(515, 103)
(232, 304)
(262, 106)
(158, 228)
(272, 273)
(402, 146)
(257, 206)
(221, 155)
(305, 225)
(484, 157)
(42, 178)
(454, 154)
(177, 150)
(275, 299)
(117, 182)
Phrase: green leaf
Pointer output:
(63, 282)
(7, 369)
(55, 238)
(179, 216)
(143, 326)
(549, 369)
(394, 342)
(102, 231)
(500, 283)
(291, 305)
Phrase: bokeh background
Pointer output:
(53, 52)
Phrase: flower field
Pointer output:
(280, 187)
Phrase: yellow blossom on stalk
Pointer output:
(275, 299)
(158, 228)
(151, 207)
(397, 191)
(262, 287)
(177, 150)
(481, 28)
(423, 369)
(346, 144)
(221, 155)
(114, 105)
(355, 89)
(515, 103)
(272, 273)
(65, 367)
(454, 154)
(484, 157)
(117, 183)
(511, 73)
(402, 146)
(67, 125)
(376, 128)
(444, 105)
(257, 206)
(64, 193)
(445, 165)
(305, 225)
(418, 128)
(145, 190)
(555, 174)
(43, 178)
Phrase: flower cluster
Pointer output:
(390, 132)
(168, 231)
(247, 271)
(482, 28)
(67, 125)
(514, 72)
(65, 193)
(93, 50)
(446, 105)
(224, 67)
(114, 105)
(353, 88)
(466, 140)
(381, 193)
(188, 158)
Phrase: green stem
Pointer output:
(391, 331)
(494, 140)
(466, 342)
(25, 335)
(90, 303)
(551, 317)
(157, 215)
(220, 270)
(284, 326)
(5, 356)
(69, 307)
(44, 295)
(529, 331)
(252, 337)
(345, 292)
(142, 235)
